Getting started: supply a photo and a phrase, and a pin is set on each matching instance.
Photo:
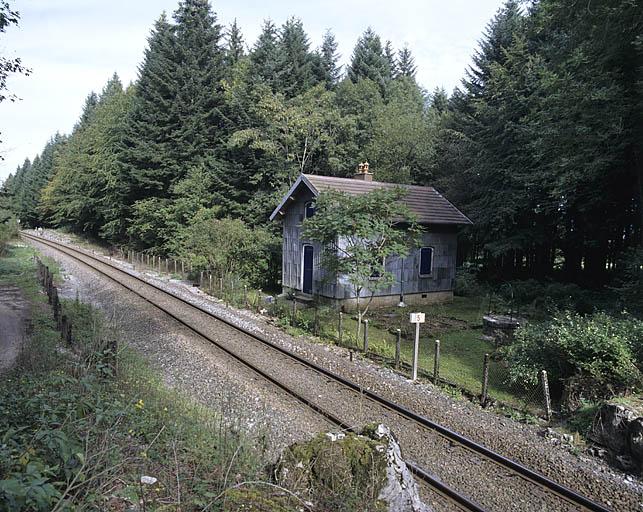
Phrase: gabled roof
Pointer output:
(428, 205)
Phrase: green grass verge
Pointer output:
(80, 427)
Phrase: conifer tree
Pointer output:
(148, 163)
(391, 60)
(406, 63)
(199, 68)
(369, 61)
(264, 55)
(294, 69)
(234, 44)
(329, 59)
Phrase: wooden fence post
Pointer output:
(366, 336)
(485, 381)
(63, 327)
(398, 347)
(436, 363)
(340, 327)
(545, 383)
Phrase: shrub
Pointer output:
(228, 247)
(599, 350)
(8, 230)
(466, 281)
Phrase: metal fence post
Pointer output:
(398, 347)
(340, 327)
(485, 380)
(545, 383)
(436, 363)
(366, 336)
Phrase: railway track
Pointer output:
(545, 493)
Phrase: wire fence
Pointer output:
(483, 377)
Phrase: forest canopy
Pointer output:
(540, 145)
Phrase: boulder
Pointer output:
(619, 428)
(350, 471)
(635, 435)
(610, 427)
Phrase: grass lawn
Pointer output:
(458, 326)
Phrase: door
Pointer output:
(307, 284)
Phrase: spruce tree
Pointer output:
(199, 97)
(148, 162)
(234, 44)
(369, 61)
(329, 59)
(389, 54)
(406, 64)
(294, 66)
(263, 57)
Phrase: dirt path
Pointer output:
(13, 315)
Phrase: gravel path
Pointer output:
(512, 439)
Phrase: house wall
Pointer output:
(292, 250)
(406, 271)
(443, 240)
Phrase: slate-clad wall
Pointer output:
(407, 272)
(442, 239)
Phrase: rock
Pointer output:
(401, 491)
(364, 469)
(148, 480)
(624, 462)
(610, 427)
(568, 439)
(635, 438)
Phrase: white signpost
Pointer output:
(417, 319)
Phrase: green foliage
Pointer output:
(369, 61)
(227, 247)
(75, 434)
(600, 348)
(8, 230)
(537, 145)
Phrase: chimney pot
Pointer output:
(363, 173)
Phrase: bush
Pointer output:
(466, 281)
(8, 230)
(228, 247)
(599, 349)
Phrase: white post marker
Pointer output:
(417, 319)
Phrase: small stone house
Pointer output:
(426, 275)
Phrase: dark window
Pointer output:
(310, 210)
(426, 261)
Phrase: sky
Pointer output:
(74, 46)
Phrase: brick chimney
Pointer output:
(363, 173)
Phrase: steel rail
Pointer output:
(526, 473)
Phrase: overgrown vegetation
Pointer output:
(79, 431)
(598, 352)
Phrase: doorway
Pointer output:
(307, 269)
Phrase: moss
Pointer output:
(344, 474)
(260, 500)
